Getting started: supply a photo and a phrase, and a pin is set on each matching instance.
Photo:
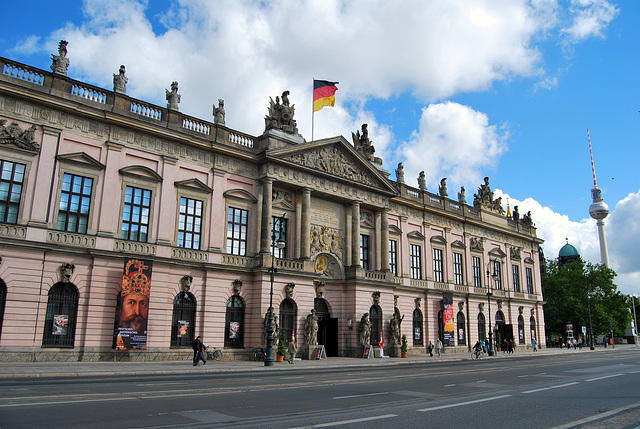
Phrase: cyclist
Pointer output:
(477, 349)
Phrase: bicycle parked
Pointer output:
(259, 355)
(213, 353)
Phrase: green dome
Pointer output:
(568, 251)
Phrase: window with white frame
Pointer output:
(279, 233)
(190, 223)
(458, 277)
(135, 214)
(11, 181)
(529, 275)
(415, 252)
(476, 265)
(393, 257)
(237, 225)
(516, 278)
(364, 251)
(497, 273)
(438, 268)
(75, 203)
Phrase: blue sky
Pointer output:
(460, 89)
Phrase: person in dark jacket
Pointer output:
(198, 350)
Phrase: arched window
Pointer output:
(288, 316)
(375, 313)
(499, 317)
(417, 328)
(482, 327)
(521, 329)
(183, 322)
(322, 310)
(60, 318)
(462, 335)
(441, 326)
(3, 300)
(234, 323)
(532, 324)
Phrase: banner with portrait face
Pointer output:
(133, 305)
(60, 324)
(447, 319)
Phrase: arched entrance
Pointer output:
(327, 327)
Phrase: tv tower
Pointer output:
(598, 210)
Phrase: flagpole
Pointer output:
(313, 113)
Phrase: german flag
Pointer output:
(324, 94)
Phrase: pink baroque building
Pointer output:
(127, 229)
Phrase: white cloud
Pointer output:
(589, 19)
(622, 228)
(453, 141)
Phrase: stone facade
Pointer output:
(356, 242)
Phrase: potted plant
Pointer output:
(403, 346)
(282, 348)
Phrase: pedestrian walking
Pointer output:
(198, 350)
(430, 348)
(534, 344)
(439, 347)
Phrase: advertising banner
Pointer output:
(60, 324)
(447, 319)
(183, 328)
(234, 330)
(133, 314)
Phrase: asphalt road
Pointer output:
(574, 390)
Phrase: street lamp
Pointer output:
(635, 321)
(279, 243)
(495, 277)
(590, 325)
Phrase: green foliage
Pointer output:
(282, 347)
(404, 345)
(566, 289)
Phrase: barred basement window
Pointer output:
(417, 328)
(60, 318)
(288, 316)
(462, 333)
(375, 316)
(482, 327)
(234, 323)
(521, 329)
(184, 320)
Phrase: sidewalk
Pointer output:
(91, 369)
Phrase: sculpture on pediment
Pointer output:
(218, 112)
(462, 197)
(325, 239)
(422, 181)
(476, 244)
(484, 198)
(173, 98)
(442, 189)
(497, 205)
(120, 81)
(516, 214)
(400, 173)
(333, 161)
(362, 143)
(514, 252)
(280, 115)
(278, 196)
(60, 61)
(526, 219)
(13, 134)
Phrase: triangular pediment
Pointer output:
(81, 158)
(497, 252)
(193, 185)
(240, 194)
(141, 172)
(334, 157)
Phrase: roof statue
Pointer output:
(484, 198)
(280, 115)
(442, 189)
(173, 98)
(60, 61)
(120, 81)
(218, 112)
(362, 143)
(422, 182)
(462, 196)
(400, 173)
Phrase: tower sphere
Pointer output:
(599, 210)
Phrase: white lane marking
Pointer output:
(549, 388)
(522, 376)
(360, 396)
(348, 422)
(596, 417)
(604, 376)
(449, 385)
(460, 404)
(481, 381)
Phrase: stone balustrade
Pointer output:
(146, 111)
(87, 93)
(24, 73)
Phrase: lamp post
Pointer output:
(490, 348)
(590, 325)
(635, 321)
(279, 243)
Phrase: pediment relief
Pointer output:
(141, 172)
(193, 185)
(438, 240)
(366, 219)
(415, 235)
(528, 260)
(240, 194)
(335, 157)
(284, 199)
(497, 252)
(81, 158)
(22, 139)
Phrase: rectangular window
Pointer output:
(278, 234)
(516, 278)
(190, 223)
(477, 271)
(135, 214)
(75, 201)
(237, 224)
(393, 257)
(458, 278)
(529, 273)
(416, 261)
(364, 251)
(438, 271)
(497, 270)
(11, 180)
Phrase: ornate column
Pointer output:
(265, 227)
(384, 238)
(305, 245)
(355, 234)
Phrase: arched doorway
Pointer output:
(375, 316)
(60, 319)
(3, 300)
(234, 323)
(441, 326)
(327, 327)
(417, 328)
(288, 316)
(183, 320)
(521, 330)
(462, 332)
(482, 327)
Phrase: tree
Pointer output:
(569, 287)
